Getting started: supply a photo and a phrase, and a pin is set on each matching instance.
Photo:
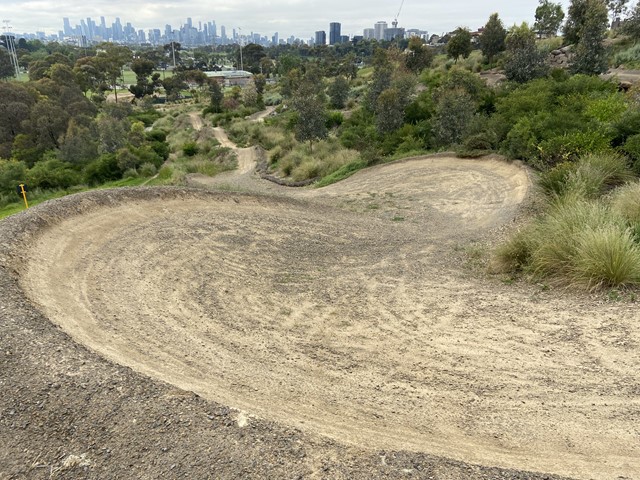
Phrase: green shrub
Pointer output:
(102, 170)
(625, 201)
(513, 255)
(52, 174)
(190, 149)
(571, 146)
(334, 119)
(147, 170)
(632, 148)
(165, 173)
(596, 174)
(553, 182)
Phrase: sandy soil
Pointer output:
(347, 314)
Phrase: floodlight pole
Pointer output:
(11, 47)
(240, 43)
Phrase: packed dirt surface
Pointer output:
(341, 325)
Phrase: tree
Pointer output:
(492, 38)
(339, 92)
(590, 54)
(311, 124)
(172, 86)
(418, 56)
(631, 25)
(575, 20)
(252, 54)
(454, 112)
(549, 17)
(381, 79)
(110, 60)
(389, 111)
(459, 45)
(6, 67)
(216, 96)
(616, 7)
(524, 61)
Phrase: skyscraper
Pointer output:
(379, 29)
(321, 37)
(334, 33)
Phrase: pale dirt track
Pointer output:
(346, 312)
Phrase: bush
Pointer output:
(52, 174)
(596, 174)
(577, 242)
(606, 257)
(102, 170)
(147, 170)
(571, 146)
(553, 182)
(625, 201)
(190, 149)
(334, 119)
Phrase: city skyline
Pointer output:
(287, 17)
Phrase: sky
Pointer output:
(300, 18)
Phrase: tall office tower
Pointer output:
(344, 38)
(83, 28)
(189, 22)
(213, 31)
(334, 33)
(91, 28)
(117, 29)
(103, 28)
(68, 31)
(379, 28)
(321, 37)
(168, 31)
(369, 34)
(223, 34)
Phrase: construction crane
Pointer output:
(395, 20)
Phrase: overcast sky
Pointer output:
(288, 17)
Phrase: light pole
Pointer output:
(11, 47)
(240, 43)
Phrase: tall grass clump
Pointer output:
(590, 177)
(606, 257)
(327, 157)
(625, 201)
(576, 242)
(555, 234)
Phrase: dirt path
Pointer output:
(346, 313)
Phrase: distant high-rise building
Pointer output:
(344, 38)
(334, 33)
(369, 34)
(379, 29)
(321, 37)
(68, 31)
(393, 33)
(274, 39)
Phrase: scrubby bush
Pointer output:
(190, 149)
(625, 201)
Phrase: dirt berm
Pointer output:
(327, 333)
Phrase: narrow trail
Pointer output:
(346, 312)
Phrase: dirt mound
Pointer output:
(342, 314)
